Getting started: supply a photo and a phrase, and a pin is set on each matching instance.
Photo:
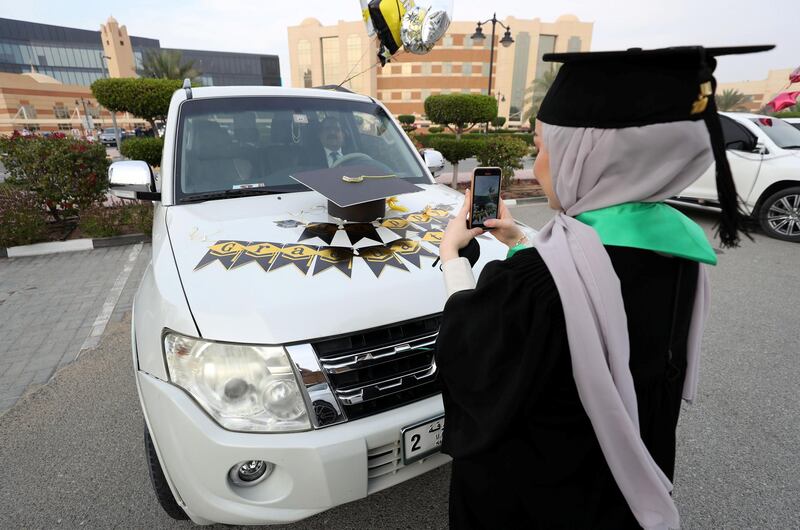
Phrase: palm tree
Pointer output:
(731, 100)
(534, 94)
(167, 64)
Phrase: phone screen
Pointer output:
(485, 195)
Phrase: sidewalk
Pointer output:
(54, 306)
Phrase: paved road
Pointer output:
(72, 452)
(51, 306)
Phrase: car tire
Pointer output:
(164, 495)
(779, 214)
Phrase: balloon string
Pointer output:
(354, 67)
(399, 52)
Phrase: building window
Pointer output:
(425, 94)
(447, 68)
(304, 62)
(60, 112)
(406, 69)
(447, 42)
(406, 95)
(574, 44)
(519, 76)
(64, 127)
(426, 68)
(330, 61)
(485, 69)
(354, 56)
(26, 111)
(466, 69)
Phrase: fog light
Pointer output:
(250, 473)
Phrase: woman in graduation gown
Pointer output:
(564, 367)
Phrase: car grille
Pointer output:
(382, 368)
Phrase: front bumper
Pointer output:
(314, 470)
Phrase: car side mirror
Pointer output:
(133, 179)
(434, 160)
(761, 149)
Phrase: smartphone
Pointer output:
(485, 196)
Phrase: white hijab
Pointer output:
(597, 168)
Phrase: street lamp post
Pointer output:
(506, 41)
(113, 114)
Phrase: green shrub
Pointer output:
(121, 217)
(147, 149)
(787, 114)
(504, 152)
(63, 173)
(435, 129)
(498, 121)
(460, 112)
(406, 119)
(143, 97)
(22, 218)
(455, 151)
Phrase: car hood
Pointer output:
(255, 270)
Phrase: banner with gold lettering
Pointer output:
(223, 251)
(262, 252)
(411, 251)
(339, 258)
(300, 256)
(379, 257)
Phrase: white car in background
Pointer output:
(764, 155)
(794, 122)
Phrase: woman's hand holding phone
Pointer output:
(504, 229)
(457, 235)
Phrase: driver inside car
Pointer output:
(331, 137)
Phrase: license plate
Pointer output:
(422, 439)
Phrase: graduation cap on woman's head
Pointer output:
(635, 88)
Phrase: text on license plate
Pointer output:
(422, 439)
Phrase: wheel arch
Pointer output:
(771, 189)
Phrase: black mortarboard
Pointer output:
(634, 88)
(355, 193)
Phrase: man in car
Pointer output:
(331, 137)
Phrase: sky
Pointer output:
(259, 26)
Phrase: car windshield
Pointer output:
(109, 131)
(784, 135)
(258, 142)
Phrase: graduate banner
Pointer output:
(339, 258)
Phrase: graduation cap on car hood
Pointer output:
(635, 88)
(355, 193)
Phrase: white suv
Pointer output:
(284, 359)
(764, 155)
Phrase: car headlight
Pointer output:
(243, 387)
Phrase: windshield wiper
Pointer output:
(227, 194)
(790, 146)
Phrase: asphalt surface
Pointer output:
(72, 452)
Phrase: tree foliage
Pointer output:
(22, 218)
(498, 121)
(144, 98)
(406, 119)
(535, 93)
(167, 64)
(732, 100)
(460, 112)
(147, 149)
(66, 175)
(503, 151)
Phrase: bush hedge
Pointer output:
(427, 139)
(435, 129)
(22, 219)
(119, 218)
(502, 151)
(64, 174)
(147, 149)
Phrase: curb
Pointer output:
(527, 200)
(73, 245)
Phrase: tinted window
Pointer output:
(235, 143)
(780, 132)
(736, 136)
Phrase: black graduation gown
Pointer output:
(524, 452)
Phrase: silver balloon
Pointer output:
(423, 25)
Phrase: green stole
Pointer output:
(650, 226)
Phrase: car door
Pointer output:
(743, 157)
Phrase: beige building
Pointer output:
(320, 55)
(762, 91)
(37, 102)
(117, 49)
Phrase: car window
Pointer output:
(736, 136)
(258, 142)
(780, 132)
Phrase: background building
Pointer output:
(761, 91)
(325, 54)
(48, 71)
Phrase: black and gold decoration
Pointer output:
(324, 231)
(358, 231)
(262, 252)
(413, 229)
(225, 252)
(411, 251)
(379, 257)
(298, 255)
(339, 258)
